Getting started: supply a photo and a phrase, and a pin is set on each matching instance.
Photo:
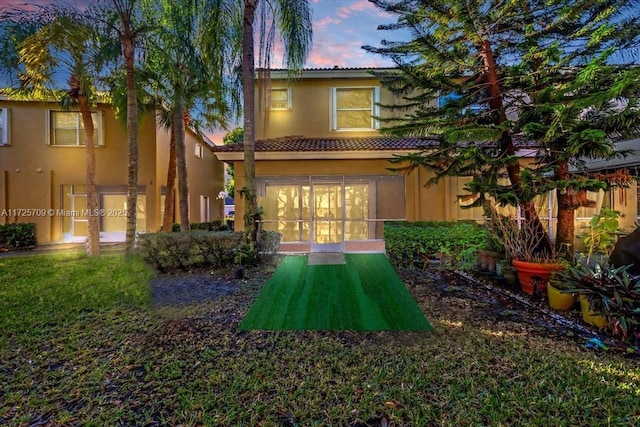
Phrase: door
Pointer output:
(327, 225)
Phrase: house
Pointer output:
(43, 172)
(322, 167)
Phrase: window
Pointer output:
(66, 128)
(354, 108)
(280, 99)
(205, 213)
(4, 126)
(199, 150)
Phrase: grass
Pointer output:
(81, 346)
(365, 294)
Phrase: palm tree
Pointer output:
(128, 35)
(66, 43)
(190, 53)
(293, 19)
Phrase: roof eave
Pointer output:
(315, 155)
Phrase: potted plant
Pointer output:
(521, 241)
(600, 239)
(558, 294)
(608, 297)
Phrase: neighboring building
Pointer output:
(43, 172)
(322, 166)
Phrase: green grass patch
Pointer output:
(53, 289)
(119, 363)
(365, 294)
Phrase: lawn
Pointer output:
(82, 344)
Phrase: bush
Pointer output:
(612, 292)
(186, 250)
(215, 225)
(410, 242)
(17, 236)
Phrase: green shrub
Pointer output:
(215, 225)
(185, 250)
(410, 242)
(18, 236)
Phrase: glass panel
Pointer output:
(327, 209)
(279, 98)
(80, 227)
(141, 214)
(354, 98)
(80, 221)
(349, 119)
(114, 205)
(67, 128)
(356, 199)
(67, 207)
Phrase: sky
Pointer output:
(340, 28)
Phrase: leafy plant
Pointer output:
(601, 236)
(17, 236)
(412, 242)
(612, 292)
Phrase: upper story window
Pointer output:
(199, 150)
(66, 128)
(354, 108)
(280, 99)
(4, 126)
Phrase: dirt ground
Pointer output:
(472, 297)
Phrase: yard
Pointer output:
(89, 342)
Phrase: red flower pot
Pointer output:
(532, 275)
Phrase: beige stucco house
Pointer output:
(322, 167)
(42, 172)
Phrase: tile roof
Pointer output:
(296, 143)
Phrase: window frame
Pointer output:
(199, 150)
(98, 128)
(287, 90)
(5, 134)
(375, 108)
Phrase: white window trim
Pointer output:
(199, 150)
(205, 209)
(99, 127)
(5, 133)
(288, 90)
(375, 109)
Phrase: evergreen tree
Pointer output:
(488, 77)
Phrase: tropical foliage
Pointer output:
(491, 78)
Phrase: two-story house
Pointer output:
(322, 167)
(43, 172)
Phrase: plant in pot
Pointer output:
(600, 239)
(522, 242)
(608, 297)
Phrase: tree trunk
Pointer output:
(128, 49)
(491, 79)
(169, 200)
(251, 214)
(93, 235)
(181, 163)
(568, 202)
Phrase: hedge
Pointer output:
(410, 242)
(17, 236)
(186, 250)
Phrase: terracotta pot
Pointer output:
(591, 317)
(535, 273)
(558, 300)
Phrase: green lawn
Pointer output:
(81, 346)
(365, 294)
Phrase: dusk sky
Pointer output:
(340, 28)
